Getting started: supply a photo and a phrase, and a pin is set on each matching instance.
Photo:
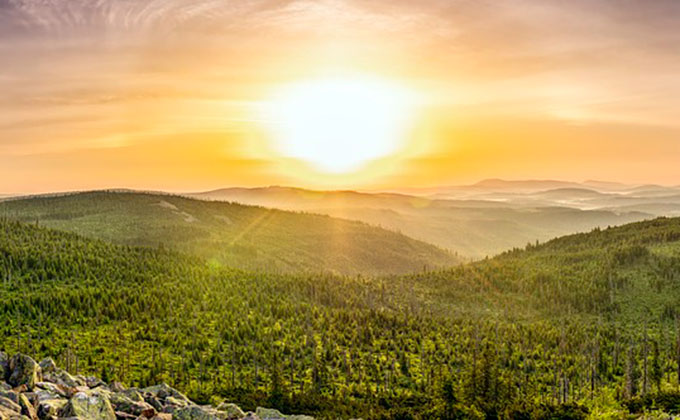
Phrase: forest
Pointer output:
(581, 326)
(236, 235)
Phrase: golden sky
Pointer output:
(162, 94)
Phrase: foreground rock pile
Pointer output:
(41, 391)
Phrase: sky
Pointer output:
(164, 94)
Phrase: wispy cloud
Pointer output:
(76, 70)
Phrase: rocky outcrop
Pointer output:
(24, 371)
(41, 391)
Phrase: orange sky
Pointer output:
(159, 94)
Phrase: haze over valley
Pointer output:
(478, 220)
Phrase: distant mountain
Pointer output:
(523, 186)
(569, 193)
(490, 223)
(237, 235)
(485, 187)
(605, 185)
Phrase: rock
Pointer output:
(172, 404)
(62, 377)
(6, 414)
(162, 416)
(93, 382)
(232, 410)
(149, 412)
(121, 403)
(24, 371)
(42, 391)
(117, 387)
(10, 405)
(42, 395)
(272, 414)
(55, 389)
(19, 400)
(48, 409)
(195, 412)
(4, 366)
(27, 408)
(164, 390)
(131, 394)
(92, 405)
(12, 395)
(269, 414)
(31, 397)
(155, 403)
(47, 365)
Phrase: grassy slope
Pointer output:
(241, 236)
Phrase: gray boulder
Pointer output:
(269, 414)
(54, 389)
(27, 408)
(162, 416)
(163, 391)
(122, 403)
(195, 412)
(12, 395)
(93, 382)
(48, 409)
(10, 405)
(24, 371)
(232, 410)
(117, 387)
(4, 366)
(91, 405)
(61, 377)
(47, 365)
(6, 414)
(17, 402)
(272, 414)
(41, 395)
(171, 404)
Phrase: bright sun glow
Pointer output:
(339, 124)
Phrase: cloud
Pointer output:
(77, 70)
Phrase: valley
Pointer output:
(478, 220)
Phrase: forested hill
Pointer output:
(582, 324)
(241, 236)
(629, 273)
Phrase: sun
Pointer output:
(339, 124)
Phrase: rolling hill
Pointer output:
(236, 235)
(473, 228)
(581, 325)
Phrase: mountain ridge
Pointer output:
(243, 236)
